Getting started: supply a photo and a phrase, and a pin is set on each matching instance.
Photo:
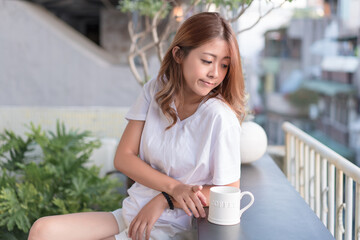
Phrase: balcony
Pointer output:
(327, 182)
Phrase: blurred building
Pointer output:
(311, 76)
(61, 53)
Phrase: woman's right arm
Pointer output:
(127, 161)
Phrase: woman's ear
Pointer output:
(177, 54)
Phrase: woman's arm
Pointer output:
(127, 161)
(206, 192)
(150, 213)
(146, 218)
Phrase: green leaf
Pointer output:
(51, 180)
(12, 212)
(145, 7)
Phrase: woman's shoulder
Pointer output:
(220, 112)
(151, 87)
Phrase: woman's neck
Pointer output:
(186, 105)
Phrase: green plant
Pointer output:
(44, 174)
(302, 98)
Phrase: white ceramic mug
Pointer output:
(224, 207)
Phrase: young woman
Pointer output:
(183, 136)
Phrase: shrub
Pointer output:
(51, 180)
(302, 98)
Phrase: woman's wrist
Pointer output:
(168, 200)
(169, 189)
(162, 200)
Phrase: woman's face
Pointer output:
(205, 68)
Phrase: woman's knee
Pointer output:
(41, 229)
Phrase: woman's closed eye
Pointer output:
(205, 61)
(225, 66)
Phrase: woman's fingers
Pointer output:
(137, 229)
(194, 204)
(196, 188)
(141, 230)
(184, 206)
(190, 198)
(198, 204)
(148, 230)
(202, 198)
(133, 228)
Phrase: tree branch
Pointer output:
(260, 17)
(241, 12)
(192, 7)
(155, 33)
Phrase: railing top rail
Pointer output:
(340, 162)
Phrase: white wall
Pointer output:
(44, 62)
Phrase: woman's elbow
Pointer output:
(235, 184)
(117, 163)
(122, 160)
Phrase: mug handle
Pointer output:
(249, 204)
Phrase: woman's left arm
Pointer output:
(150, 213)
(146, 218)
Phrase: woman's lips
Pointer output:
(207, 83)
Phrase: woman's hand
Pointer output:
(190, 199)
(146, 218)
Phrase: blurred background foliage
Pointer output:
(44, 174)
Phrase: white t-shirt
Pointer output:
(202, 149)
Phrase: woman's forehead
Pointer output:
(217, 48)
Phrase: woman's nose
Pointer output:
(214, 72)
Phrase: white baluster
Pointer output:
(288, 153)
(325, 208)
(339, 203)
(324, 190)
(331, 197)
(307, 174)
(297, 164)
(317, 185)
(340, 221)
(349, 209)
(357, 212)
(312, 179)
(302, 170)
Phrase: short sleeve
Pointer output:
(225, 157)
(139, 109)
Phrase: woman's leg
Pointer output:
(76, 226)
(109, 238)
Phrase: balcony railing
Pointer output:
(318, 174)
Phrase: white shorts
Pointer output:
(160, 231)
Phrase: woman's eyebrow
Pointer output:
(213, 55)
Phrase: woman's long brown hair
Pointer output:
(194, 32)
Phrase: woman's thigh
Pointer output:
(76, 226)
